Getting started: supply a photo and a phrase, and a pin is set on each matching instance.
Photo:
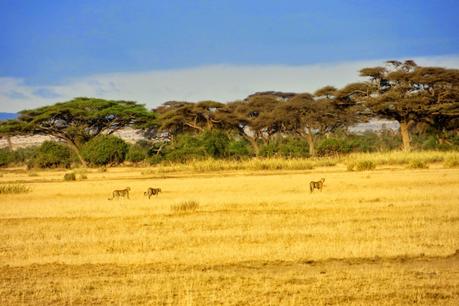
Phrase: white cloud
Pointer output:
(217, 82)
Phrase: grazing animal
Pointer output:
(152, 191)
(316, 185)
(121, 193)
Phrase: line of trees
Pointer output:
(418, 98)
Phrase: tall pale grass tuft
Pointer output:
(451, 162)
(14, 188)
(350, 166)
(363, 165)
(187, 206)
(417, 164)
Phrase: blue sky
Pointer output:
(47, 45)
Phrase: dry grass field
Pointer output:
(252, 237)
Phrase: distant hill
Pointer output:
(6, 116)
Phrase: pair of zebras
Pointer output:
(124, 193)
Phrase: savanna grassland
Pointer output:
(255, 235)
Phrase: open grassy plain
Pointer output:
(382, 237)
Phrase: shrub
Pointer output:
(14, 188)
(188, 206)
(286, 147)
(6, 157)
(269, 150)
(185, 148)
(293, 147)
(105, 150)
(215, 143)
(25, 155)
(136, 153)
(51, 154)
(154, 160)
(363, 165)
(417, 164)
(333, 146)
(70, 176)
(239, 148)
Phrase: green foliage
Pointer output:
(333, 146)
(51, 154)
(136, 153)
(6, 157)
(215, 143)
(105, 150)
(185, 147)
(239, 148)
(78, 119)
(286, 147)
(70, 176)
(154, 160)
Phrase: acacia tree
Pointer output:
(254, 119)
(307, 116)
(81, 119)
(411, 94)
(179, 116)
(8, 129)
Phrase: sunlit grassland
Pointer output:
(258, 236)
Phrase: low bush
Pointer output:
(51, 154)
(185, 148)
(188, 206)
(215, 143)
(333, 146)
(238, 149)
(70, 176)
(285, 147)
(6, 157)
(136, 153)
(105, 150)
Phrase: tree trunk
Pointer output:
(405, 136)
(10, 144)
(77, 152)
(254, 144)
(310, 140)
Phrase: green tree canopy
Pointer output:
(180, 116)
(253, 119)
(411, 94)
(77, 121)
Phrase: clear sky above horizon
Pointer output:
(44, 44)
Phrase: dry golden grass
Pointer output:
(383, 237)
